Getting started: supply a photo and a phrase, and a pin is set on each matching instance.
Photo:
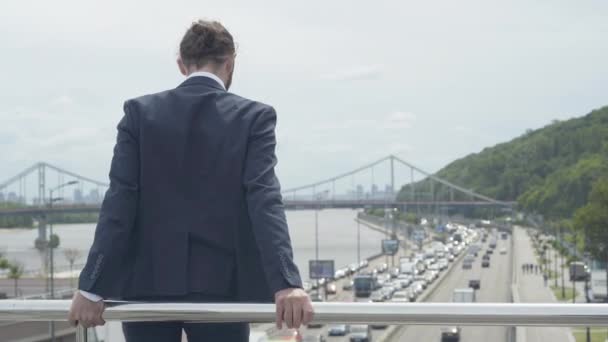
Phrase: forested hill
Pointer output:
(548, 170)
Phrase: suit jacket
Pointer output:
(194, 205)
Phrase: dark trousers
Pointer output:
(197, 332)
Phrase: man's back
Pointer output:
(199, 163)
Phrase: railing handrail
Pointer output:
(477, 314)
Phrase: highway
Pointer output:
(495, 287)
(347, 296)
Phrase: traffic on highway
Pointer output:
(415, 274)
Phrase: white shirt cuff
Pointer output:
(90, 296)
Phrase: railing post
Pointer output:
(81, 334)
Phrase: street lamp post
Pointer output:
(317, 198)
(587, 257)
(358, 239)
(51, 247)
(574, 274)
(562, 261)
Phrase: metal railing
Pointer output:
(476, 314)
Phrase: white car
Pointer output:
(503, 251)
(400, 297)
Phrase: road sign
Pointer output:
(390, 247)
(319, 269)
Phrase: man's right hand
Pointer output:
(85, 312)
(293, 307)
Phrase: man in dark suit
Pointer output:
(194, 210)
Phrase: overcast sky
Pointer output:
(352, 81)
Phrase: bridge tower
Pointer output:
(41, 183)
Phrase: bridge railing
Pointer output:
(476, 314)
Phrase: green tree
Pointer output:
(15, 272)
(591, 221)
(4, 264)
(54, 241)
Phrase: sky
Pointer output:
(352, 81)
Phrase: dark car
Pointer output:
(475, 284)
(485, 263)
(450, 334)
(486, 257)
(490, 251)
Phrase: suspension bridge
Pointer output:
(370, 186)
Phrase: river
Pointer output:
(337, 240)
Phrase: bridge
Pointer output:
(358, 188)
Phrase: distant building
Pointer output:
(93, 197)
(359, 190)
(388, 189)
(374, 189)
(12, 197)
(78, 196)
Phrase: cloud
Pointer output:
(364, 72)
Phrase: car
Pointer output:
(360, 333)
(404, 280)
(339, 274)
(422, 278)
(400, 297)
(417, 287)
(389, 290)
(490, 251)
(486, 257)
(450, 334)
(467, 265)
(378, 326)
(316, 297)
(485, 263)
(338, 330)
(313, 338)
(412, 293)
(258, 336)
(383, 268)
(331, 288)
(378, 296)
(394, 272)
(348, 285)
(285, 335)
(503, 251)
(475, 284)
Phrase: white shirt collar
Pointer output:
(209, 75)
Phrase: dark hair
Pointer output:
(206, 42)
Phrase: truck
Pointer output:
(598, 286)
(578, 271)
(463, 295)
(457, 238)
(452, 334)
(364, 285)
(408, 267)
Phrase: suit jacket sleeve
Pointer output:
(104, 269)
(265, 205)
